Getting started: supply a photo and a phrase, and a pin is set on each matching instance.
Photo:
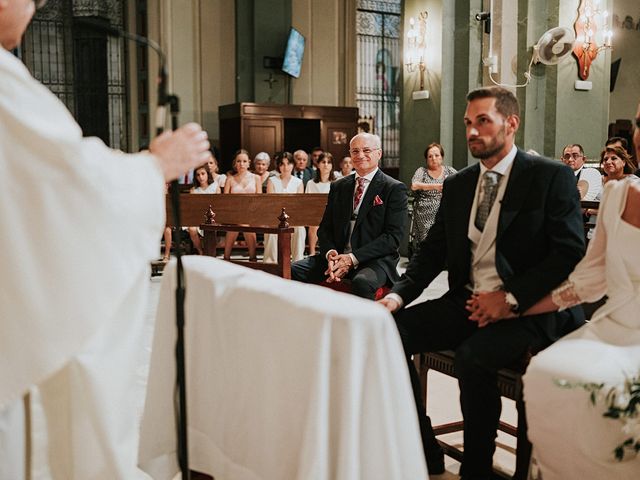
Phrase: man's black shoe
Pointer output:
(435, 464)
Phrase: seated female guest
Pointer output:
(242, 181)
(203, 182)
(427, 187)
(571, 437)
(285, 182)
(321, 183)
(261, 168)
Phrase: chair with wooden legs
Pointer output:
(510, 386)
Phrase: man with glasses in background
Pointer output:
(362, 226)
(589, 180)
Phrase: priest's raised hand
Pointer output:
(181, 150)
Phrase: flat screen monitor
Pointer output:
(293, 54)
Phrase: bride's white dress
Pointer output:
(571, 438)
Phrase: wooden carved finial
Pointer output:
(283, 219)
(210, 217)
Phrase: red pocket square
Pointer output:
(377, 201)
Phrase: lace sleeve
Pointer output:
(588, 281)
(565, 296)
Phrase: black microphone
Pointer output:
(163, 98)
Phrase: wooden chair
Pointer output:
(510, 386)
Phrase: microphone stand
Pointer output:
(164, 99)
(181, 377)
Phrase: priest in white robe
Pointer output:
(81, 222)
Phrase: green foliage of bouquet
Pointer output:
(622, 403)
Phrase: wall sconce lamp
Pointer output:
(416, 45)
(590, 19)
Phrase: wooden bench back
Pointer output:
(304, 209)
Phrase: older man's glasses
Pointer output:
(575, 156)
(366, 151)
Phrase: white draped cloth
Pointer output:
(285, 381)
(570, 436)
(80, 224)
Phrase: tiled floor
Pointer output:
(443, 392)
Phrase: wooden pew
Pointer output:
(257, 213)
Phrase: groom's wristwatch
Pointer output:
(510, 300)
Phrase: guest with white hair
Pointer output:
(261, 163)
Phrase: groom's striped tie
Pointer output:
(490, 182)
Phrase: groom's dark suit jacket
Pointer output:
(539, 238)
(379, 227)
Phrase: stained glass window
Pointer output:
(378, 73)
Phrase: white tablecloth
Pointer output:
(285, 381)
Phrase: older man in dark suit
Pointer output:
(510, 225)
(362, 225)
(301, 168)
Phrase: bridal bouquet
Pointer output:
(622, 403)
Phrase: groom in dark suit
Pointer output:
(510, 225)
(362, 225)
